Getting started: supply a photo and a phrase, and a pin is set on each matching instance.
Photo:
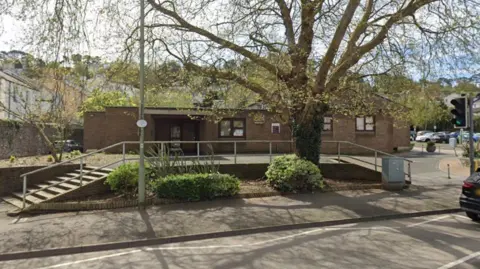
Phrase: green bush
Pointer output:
(12, 159)
(124, 179)
(75, 153)
(163, 164)
(289, 173)
(195, 187)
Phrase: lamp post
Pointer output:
(141, 169)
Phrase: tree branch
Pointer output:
(216, 39)
(327, 60)
(287, 22)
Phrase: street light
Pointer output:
(141, 123)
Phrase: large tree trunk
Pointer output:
(307, 131)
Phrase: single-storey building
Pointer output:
(117, 124)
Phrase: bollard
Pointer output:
(422, 148)
(439, 147)
(448, 169)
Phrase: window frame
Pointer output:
(331, 124)
(365, 124)
(232, 128)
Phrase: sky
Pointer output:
(10, 33)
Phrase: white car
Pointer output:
(426, 137)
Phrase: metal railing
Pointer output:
(164, 149)
(375, 152)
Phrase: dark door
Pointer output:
(175, 135)
(189, 134)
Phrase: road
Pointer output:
(437, 242)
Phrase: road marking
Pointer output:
(215, 246)
(459, 261)
(148, 249)
(428, 221)
(463, 217)
(92, 259)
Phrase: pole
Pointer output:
(24, 191)
(448, 166)
(470, 136)
(141, 172)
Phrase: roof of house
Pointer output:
(12, 78)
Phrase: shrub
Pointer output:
(289, 173)
(124, 179)
(50, 158)
(12, 159)
(466, 150)
(162, 165)
(195, 187)
(75, 153)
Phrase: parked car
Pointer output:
(426, 137)
(441, 137)
(454, 134)
(466, 136)
(68, 145)
(470, 197)
(419, 133)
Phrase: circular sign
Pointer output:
(142, 123)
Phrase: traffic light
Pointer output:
(460, 112)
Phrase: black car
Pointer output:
(442, 137)
(470, 197)
(68, 145)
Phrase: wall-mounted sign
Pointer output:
(258, 118)
(275, 128)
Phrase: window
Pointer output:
(231, 128)
(275, 128)
(327, 124)
(365, 124)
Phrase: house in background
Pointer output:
(117, 124)
(17, 96)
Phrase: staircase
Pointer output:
(60, 186)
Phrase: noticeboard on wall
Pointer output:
(275, 128)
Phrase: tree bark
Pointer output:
(307, 131)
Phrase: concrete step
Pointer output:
(32, 199)
(16, 202)
(41, 195)
(85, 177)
(100, 174)
(67, 186)
(75, 182)
(105, 169)
(50, 188)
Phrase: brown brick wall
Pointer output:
(253, 131)
(94, 133)
(119, 124)
(10, 180)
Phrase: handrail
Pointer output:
(83, 156)
(371, 149)
(70, 160)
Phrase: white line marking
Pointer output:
(92, 259)
(428, 221)
(250, 244)
(216, 246)
(459, 261)
(463, 217)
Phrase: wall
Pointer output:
(118, 124)
(10, 180)
(347, 171)
(253, 131)
(22, 140)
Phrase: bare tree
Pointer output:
(296, 54)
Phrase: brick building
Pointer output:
(117, 124)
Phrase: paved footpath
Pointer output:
(75, 229)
